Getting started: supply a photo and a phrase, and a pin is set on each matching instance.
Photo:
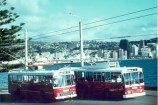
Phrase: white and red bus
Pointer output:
(108, 82)
(52, 84)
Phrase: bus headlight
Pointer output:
(141, 90)
(58, 95)
(129, 92)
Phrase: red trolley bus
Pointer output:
(52, 84)
(109, 82)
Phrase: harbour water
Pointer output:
(149, 68)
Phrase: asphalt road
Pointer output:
(149, 99)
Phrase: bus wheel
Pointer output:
(17, 92)
(107, 94)
(42, 94)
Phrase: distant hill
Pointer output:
(153, 40)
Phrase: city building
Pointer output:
(121, 54)
(145, 51)
(114, 55)
(124, 44)
(134, 50)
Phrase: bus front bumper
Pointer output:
(134, 95)
(67, 96)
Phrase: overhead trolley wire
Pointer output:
(121, 15)
(118, 37)
(121, 20)
(55, 31)
(57, 34)
(99, 25)
(95, 22)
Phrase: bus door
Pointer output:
(81, 80)
(99, 79)
(116, 87)
(90, 78)
(98, 83)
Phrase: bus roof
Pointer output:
(39, 72)
(117, 69)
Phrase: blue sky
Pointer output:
(45, 16)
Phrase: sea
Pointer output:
(149, 68)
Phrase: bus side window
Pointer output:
(31, 79)
(25, 78)
(81, 75)
(123, 81)
(68, 80)
(107, 76)
(48, 79)
(89, 76)
(19, 78)
(119, 78)
(41, 79)
(73, 79)
(141, 78)
(113, 77)
(36, 80)
(116, 77)
(97, 76)
(14, 78)
(9, 78)
(75, 76)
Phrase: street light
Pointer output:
(81, 44)
(81, 40)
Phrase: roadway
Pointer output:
(149, 99)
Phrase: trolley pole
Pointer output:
(81, 44)
(26, 51)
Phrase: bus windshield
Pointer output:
(63, 80)
(127, 79)
(133, 78)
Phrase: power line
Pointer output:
(121, 15)
(57, 34)
(99, 25)
(55, 31)
(121, 21)
(118, 37)
(96, 21)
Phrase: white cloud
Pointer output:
(29, 7)
(39, 20)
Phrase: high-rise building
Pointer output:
(145, 51)
(114, 55)
(125, 55)
(124, 44)
(121, 53)
(134, 50)
(142, 44)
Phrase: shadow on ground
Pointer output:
(7, 98)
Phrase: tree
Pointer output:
(10, 43)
